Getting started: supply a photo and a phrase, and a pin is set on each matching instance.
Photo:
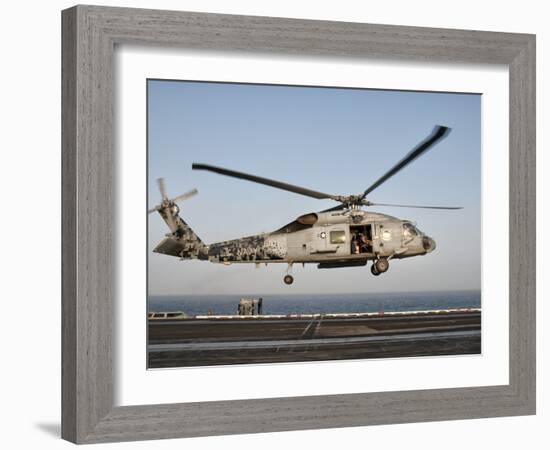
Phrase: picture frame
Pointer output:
(89, 37)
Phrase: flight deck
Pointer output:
(232, 339)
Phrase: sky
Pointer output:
(333, 140)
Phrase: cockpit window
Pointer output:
(409, 230)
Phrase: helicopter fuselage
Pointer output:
(329, 239)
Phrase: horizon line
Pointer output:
(329, 293)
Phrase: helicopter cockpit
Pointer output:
(410, 231)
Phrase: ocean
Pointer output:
(318, 303)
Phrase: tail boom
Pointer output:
(182, 242)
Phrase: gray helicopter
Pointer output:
(342, 236)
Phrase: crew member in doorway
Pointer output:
(365, 243)
(355, 245)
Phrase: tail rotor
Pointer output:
(162, 188)
(168, 208)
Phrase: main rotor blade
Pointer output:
(185, 196)
(162, 188)
(156, 208)
(266, 181)
(334, 208)
(412, 206)
(438, 133)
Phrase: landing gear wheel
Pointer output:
(382, 265)
(288, 279)
(373, 270)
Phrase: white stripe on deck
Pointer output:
(197, 346)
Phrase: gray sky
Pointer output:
(333, 140)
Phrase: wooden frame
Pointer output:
(89, 36)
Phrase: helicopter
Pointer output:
(342, 236)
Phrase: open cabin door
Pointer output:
(361, 239)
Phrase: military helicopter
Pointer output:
(341, 236)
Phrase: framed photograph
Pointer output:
(285, 216)
(199, 314)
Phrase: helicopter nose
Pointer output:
(428, 243)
